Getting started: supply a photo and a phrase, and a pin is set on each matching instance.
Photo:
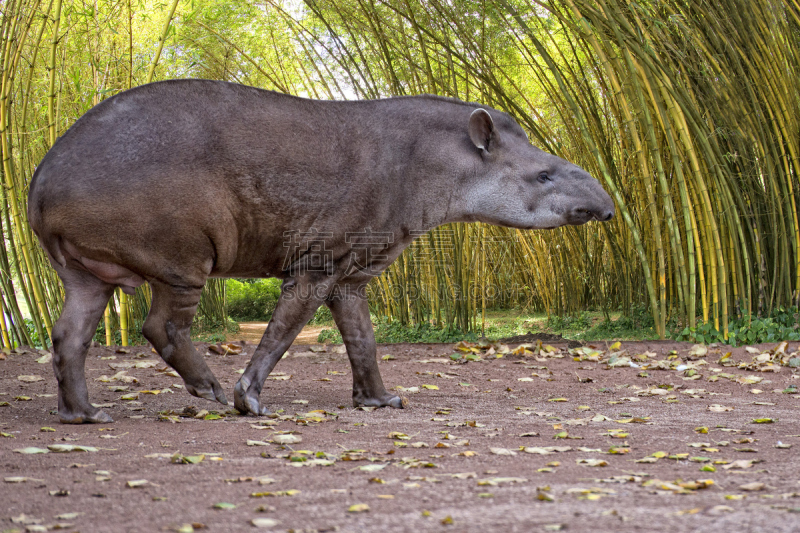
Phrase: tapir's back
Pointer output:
(169, 137)
(171, 172)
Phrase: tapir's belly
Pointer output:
(263, 257)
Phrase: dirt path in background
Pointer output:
(473, 453)
(252, 332)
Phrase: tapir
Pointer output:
(174, 182)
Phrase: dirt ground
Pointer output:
(251, 332)
(532, 442)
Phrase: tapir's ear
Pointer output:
(481, 130)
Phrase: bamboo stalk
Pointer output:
(51, 97)
(161, 40)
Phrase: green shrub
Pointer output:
(201, 331)
(252, 299)
(640, 317)
(116, 336)
(781, 325)
(579, 321)
(622, 328)
(255, 300)
(34, 335)
(323, 316)
(135, 337)
(387, 332)
(329, 335)
(637, 324)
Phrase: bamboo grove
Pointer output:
(687, 111)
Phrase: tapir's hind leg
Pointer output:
(167, 328)
(86, 298)
(350, 311)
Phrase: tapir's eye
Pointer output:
(543, 177)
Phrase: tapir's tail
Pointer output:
(61, 251)
(36, 209)
(34, 203)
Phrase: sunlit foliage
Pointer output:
(687, 111)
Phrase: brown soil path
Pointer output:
(253, 331)
(473, 453)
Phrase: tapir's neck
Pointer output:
(443, 200)
(457, 204)
(430, 191)
(452, 196)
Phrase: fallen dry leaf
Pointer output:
(31, 450)
(499, 480)
(30, 378)
(358, 508)
(592, 462)
(740, 464)
(286, 439)
(717, 408)
(64, 448)
(277, 493)
(264, 522)
(502, 451)
(754, 486)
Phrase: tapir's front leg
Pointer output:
(350, 310)
(296, 306)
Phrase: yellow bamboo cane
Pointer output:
(161, 41)
(4, 328)
(51, 96)
(123, 317)
(107, 323)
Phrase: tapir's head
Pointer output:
(517, 185)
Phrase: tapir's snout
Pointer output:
(599, 207)
(605, 211)
(604, 215)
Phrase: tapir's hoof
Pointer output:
(398, 402)
(212, 392)
(387, 400)
(94, 417)
(245, 402)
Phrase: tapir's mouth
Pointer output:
(576, 217)
(579, 216)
